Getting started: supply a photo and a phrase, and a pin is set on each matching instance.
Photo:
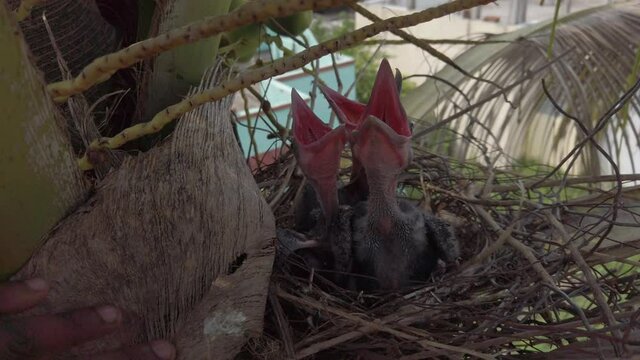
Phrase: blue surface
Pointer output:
(278, 92)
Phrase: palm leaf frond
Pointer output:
(595, 53)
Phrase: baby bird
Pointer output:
(393, 241)
(318, 148)
(388, 240)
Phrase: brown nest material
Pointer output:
(545, 267)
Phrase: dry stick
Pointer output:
(377, 326)
(317, 346)
(352, 335)
(590, 138)
(525, 251)
(522, 248)
(435, 41)
(488, 185)
(486, 252)
(283, 324)
(102, 68)
(588, 199)
(528, 76)
(576, 308)
(403, 317)
(423, 45)
(275, 201)
(278, 67)
(253, 145)
(608, 258)
(571, 181)
(591, 280)
(552, 286)
(474, 200)
(282, 131)
(331, 343)
(336, 73)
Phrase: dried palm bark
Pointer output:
(159, 238)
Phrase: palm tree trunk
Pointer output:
(158, 239)
(39, 181)
(179, 237)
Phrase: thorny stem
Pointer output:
(102, 68)
(375, 42)
(277, 67)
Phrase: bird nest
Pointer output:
(539, 272)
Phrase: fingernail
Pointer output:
(37, 284)
(163, 349)
(109, 314)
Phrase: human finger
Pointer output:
(48, 334)
(155, 350)
(16, 296)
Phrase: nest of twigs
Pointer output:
(528, 283)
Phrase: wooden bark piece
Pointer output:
(227, 316)
(157, 234)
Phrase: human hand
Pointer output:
(43, 335)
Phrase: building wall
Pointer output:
(413, 60)
(500, 16)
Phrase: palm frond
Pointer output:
(595, 53)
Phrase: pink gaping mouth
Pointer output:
(318, 149)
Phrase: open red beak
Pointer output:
(318, 149)
(384, 102)
(382, 141)
(381, 150)
(383, 108)
(349, 112)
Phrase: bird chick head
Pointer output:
(317, 149)
(379, 131)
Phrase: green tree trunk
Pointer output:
(39, 179)
(178, 69)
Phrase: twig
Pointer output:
(588, 274)
(283, 323)
(377, 326)
(102, 68)
(528, 76)
(565, 182)
(285, 184)
(435, 41)
(425, 46)
(486, 252)
(522, 248)
(617, 106)
(250, 77)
